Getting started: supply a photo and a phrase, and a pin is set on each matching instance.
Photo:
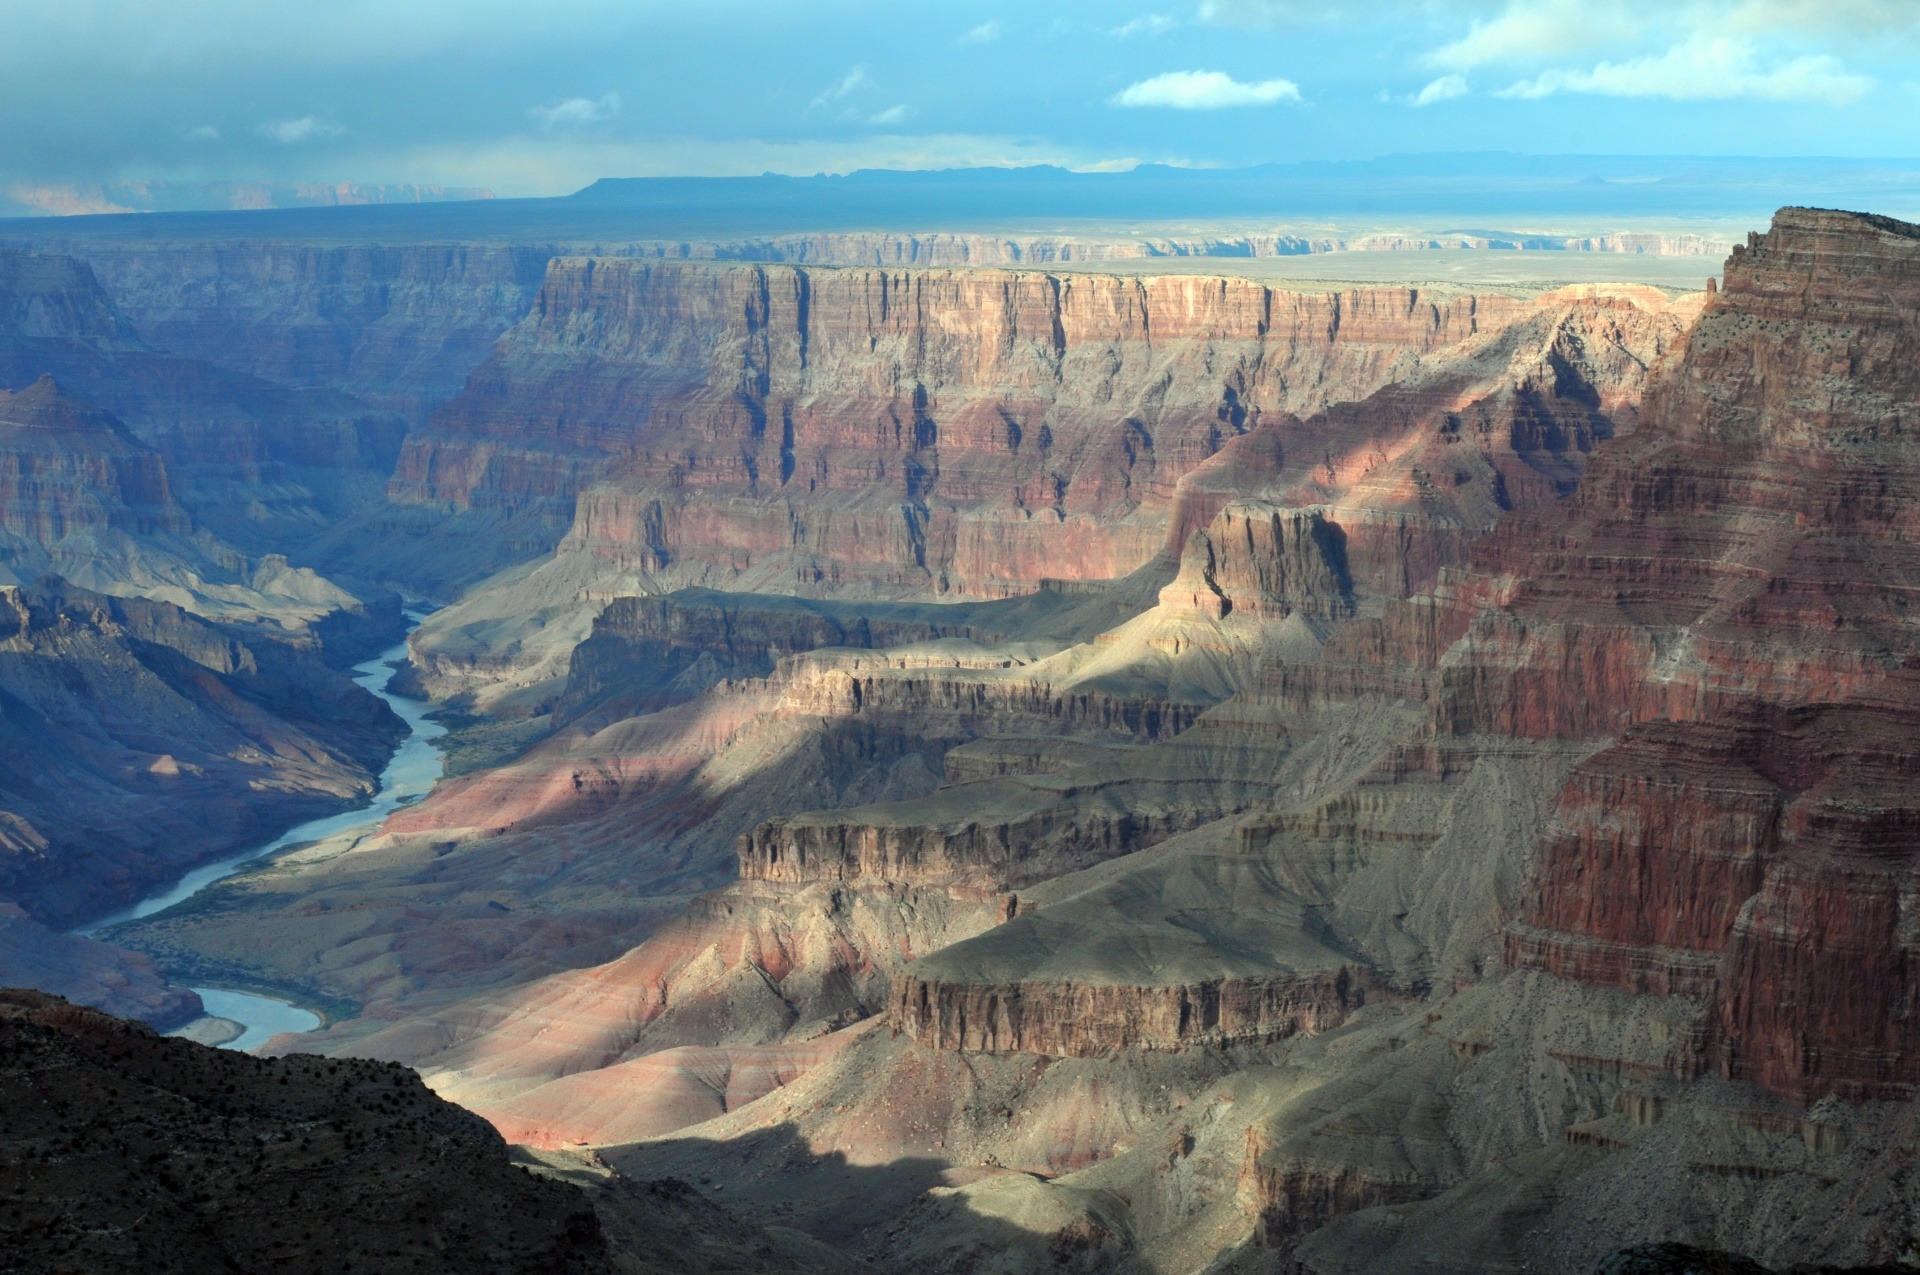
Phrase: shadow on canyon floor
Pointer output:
(884, 1213)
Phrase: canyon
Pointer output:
(978, 766)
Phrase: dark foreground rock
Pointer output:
(125, 1151)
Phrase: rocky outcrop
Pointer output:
(1729, 590)
(858, 427)
(648, 652)
(1159, 402)
(67, 469)
(1085, 1020)
(148, 1150)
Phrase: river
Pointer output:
(408, 776)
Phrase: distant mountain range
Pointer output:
(1442, 192)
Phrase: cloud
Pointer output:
(1204, 91)
(1145, 24)
(848, 83)
(577, 112)
(204, 133)
(1702, 69)
(1535, 30)
(892, 115)
(1444, 89)
(304, 129)
(985, 33)
(1866, 21)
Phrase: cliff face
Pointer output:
(264, 465)
(399, 327)
(65, 469)
(918, 431)
(862, 433)
(1730, 590)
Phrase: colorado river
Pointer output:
(408, 776)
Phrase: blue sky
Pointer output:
(542, 98)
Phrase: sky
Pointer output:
(535, 99)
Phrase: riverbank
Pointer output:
(416, 765)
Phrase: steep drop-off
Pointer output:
(941, 433)
(266, 465)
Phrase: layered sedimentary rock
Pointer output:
(913, 432)
(1727, 595)
(1486, 845)
(950, 433)
(82, 499)
(263, 464)
(70, 469)
(396, 326)
(1065, 1019)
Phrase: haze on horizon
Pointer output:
(541, 101)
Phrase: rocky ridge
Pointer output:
(124, 1151)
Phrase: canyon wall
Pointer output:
(917, 432)
(266, 465)
(398, 326)
(1733, 590)
(976, 434)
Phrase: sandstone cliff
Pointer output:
(917, 433)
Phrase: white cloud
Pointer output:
(577, 112)
(1204, 91)
(204, 133)
(1866, 21)
(304, 129)
(1535, 30)
(847, 83)
(1444, 89)
(1145, 24)
(985, 33)
(892, 115)
(1702, 69)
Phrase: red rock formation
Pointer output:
(917, 431)
(1728, 595)
(1084, 1020)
